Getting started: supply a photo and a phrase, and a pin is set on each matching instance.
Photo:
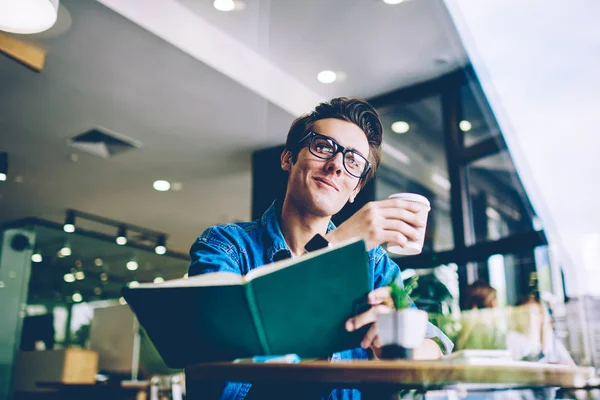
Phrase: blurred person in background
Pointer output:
(480, 295)
(526, 330)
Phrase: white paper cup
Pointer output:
(412, 247)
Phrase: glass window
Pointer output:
(414, 160)
(478, 122)
(499, 205)
(91, 276)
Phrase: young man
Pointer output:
(329, 155)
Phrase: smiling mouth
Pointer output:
(327, 183)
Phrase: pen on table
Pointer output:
(286, 358)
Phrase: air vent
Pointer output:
(103, 143)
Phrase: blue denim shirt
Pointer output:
(243, 246)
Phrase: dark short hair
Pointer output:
(480, 295)
(354, 110)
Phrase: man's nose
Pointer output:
(336, 164)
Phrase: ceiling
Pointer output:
(198, 121)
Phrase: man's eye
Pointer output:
(352, 160)
(323, 148)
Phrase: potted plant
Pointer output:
(403, 329)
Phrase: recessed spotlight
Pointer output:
(224, 5)
(132, 265)
(79, 275)
(104, 277)
(133, 284)
(77, 297)
(36, 258)
(122, 301)
(400, 127)
(393, 2)
(97, 291)
(161, 186)
(98, 262)
(327, 76)
(2, 177)
(158, 279)
(69, 278)
(465, 125)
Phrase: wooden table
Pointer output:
(385, 377)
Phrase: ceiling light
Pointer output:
(79, 275)
(121, 236)
(132, 265)
(465, 125)
(65, 251)
(327, 76)
(69, 225)
(69, 278)
(158, 279)
(161, 186)
(224, 5)
(133, 284)
(122, 301)
(104, 277)
(400, 127)
(440, 181)
(3, 163)
(27, 16)
(36, 257)
(77, 297)
(98, 262)
(160, 245)
(393, 2)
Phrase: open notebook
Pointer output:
(297, 306)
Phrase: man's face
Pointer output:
(322, 187)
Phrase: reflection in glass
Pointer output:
(499, 204)
(414, 160)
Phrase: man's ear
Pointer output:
(286, 160)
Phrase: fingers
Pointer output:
(413, 218)
(379, 295)
(370, 336)
(367, 317)
(399, 228)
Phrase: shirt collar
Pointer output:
(277, 249)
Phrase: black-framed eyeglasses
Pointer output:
(326, 148)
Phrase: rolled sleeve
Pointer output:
(213, 252)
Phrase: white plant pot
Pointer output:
(405, 328)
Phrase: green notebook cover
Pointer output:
(297, 306)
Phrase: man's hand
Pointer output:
(381, 303)
(377, 222)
